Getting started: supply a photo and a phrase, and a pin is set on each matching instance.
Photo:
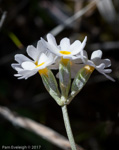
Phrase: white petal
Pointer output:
(107, 62)
(32, 52)
(55, 65)
(100, 67)
(96, 54)
(21, 58)
(64, 44)
(30, 74)
(74, 45)
(43, 58)
(15, 65)
(22, 74)
(21, 78)
(46, 60)
(51, 39)
(83, 54)
(51, 56)
(17, 75)
(18, 69)
(49, 62)
(54, 49)
(28, 65)
(107, 70)
(88, 62)
(40, 47)
(68, 57)
(80, 47)
(26, 74)
(98, 61)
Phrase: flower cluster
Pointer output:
(71, 61)
(48, 54)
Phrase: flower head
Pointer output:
(40, 59)
(96, 62)
(65, 49)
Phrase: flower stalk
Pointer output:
(68, 127)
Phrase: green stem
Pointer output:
(68, 127)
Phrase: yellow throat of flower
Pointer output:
(36, 63)
(41, 71)
(65, 52)
(64, 61)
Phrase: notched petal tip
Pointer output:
(30, 47)
(17, 57)
(51, 39)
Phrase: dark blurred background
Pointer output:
(94, 113)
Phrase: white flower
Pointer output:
(65, 49)
(96, 62)
(27, 67)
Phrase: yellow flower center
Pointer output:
(65, 52)
(89, 68)
(41, 71)
(36, 63)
